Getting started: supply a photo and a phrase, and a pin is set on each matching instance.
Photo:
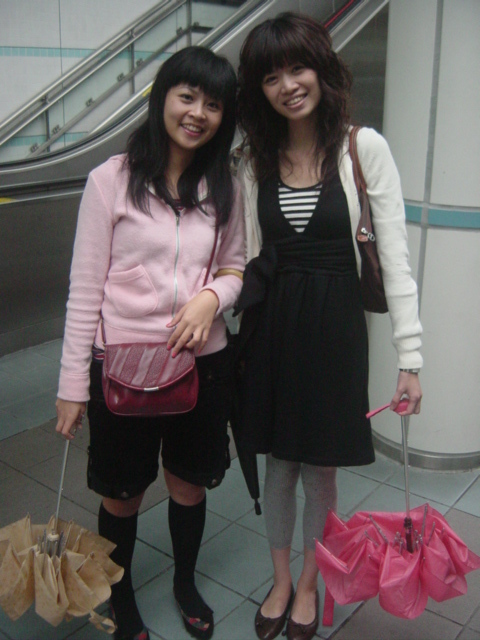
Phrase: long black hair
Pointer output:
(148, 146)
(282, 41)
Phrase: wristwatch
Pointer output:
(410, 370)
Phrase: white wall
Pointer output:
(445, 248)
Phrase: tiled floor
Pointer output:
(234, 570)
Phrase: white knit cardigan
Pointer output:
(388, 215)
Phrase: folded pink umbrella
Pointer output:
(367, 555)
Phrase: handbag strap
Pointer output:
(360, 183)
(209, 268)
(212, 255)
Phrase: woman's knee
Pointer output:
(183, 492)
(123, 508)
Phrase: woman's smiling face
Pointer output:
(293, 91)
(191, 118)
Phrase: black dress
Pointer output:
(303, 337)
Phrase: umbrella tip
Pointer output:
(258, 509)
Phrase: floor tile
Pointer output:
(371, 622)
(51, 350)
(231, 499)
(49, 471)
(21, 361)
(148, 563)
(4, 470)
(31, 627)
(237, 559)
(34, 410)
(352, 490)
(474, 623)
(83, 517)
(10, 425)
(159, 611)
(13, 389)
(386, 498)
(28, 449)
(382, 469)
(469, 634)
(44, 377)
(20, 495)
(238, 625)
(446, 487)
(470, 502)
(467, 527)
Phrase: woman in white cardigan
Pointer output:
(305, 386)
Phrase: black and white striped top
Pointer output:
(298, 205)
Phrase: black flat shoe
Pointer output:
(297, 631)
(269, 628)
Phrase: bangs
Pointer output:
(277, 49)
(212, 75)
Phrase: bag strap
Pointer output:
(360, 183)
(212, 255)
(209, 267)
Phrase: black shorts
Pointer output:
(124, 451)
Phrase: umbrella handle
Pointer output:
(62, 478)
(405, 422)
(402, 406)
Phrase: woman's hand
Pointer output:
(408, 387)
(192, 323)
(70, 417)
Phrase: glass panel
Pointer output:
(366, 55)
(110, 86)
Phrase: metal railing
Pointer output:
(46, 115)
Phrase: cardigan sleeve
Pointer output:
(90, 264)
(388, 217)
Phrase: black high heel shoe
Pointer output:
(200, 626)
(141, 635)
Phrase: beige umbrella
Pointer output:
(61, 567)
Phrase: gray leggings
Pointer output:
(280, 504)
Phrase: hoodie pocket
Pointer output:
(131, 292)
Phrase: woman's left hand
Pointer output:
(192, 323)
(408, 387)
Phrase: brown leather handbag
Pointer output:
(371, 282)
(142, 379)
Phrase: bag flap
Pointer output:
(146, 366)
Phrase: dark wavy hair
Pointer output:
(282, 41)
(148, 146)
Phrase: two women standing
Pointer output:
(145, 233)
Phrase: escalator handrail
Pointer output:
(336, 23)
(85, 66)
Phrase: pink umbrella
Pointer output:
(369, 556)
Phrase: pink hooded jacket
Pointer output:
(139, 269)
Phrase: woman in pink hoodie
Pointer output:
(145, 234)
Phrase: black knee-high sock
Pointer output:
(186, 528)
(122, 532)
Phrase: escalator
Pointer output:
(39, 195)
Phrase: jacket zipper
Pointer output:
(177, 252)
